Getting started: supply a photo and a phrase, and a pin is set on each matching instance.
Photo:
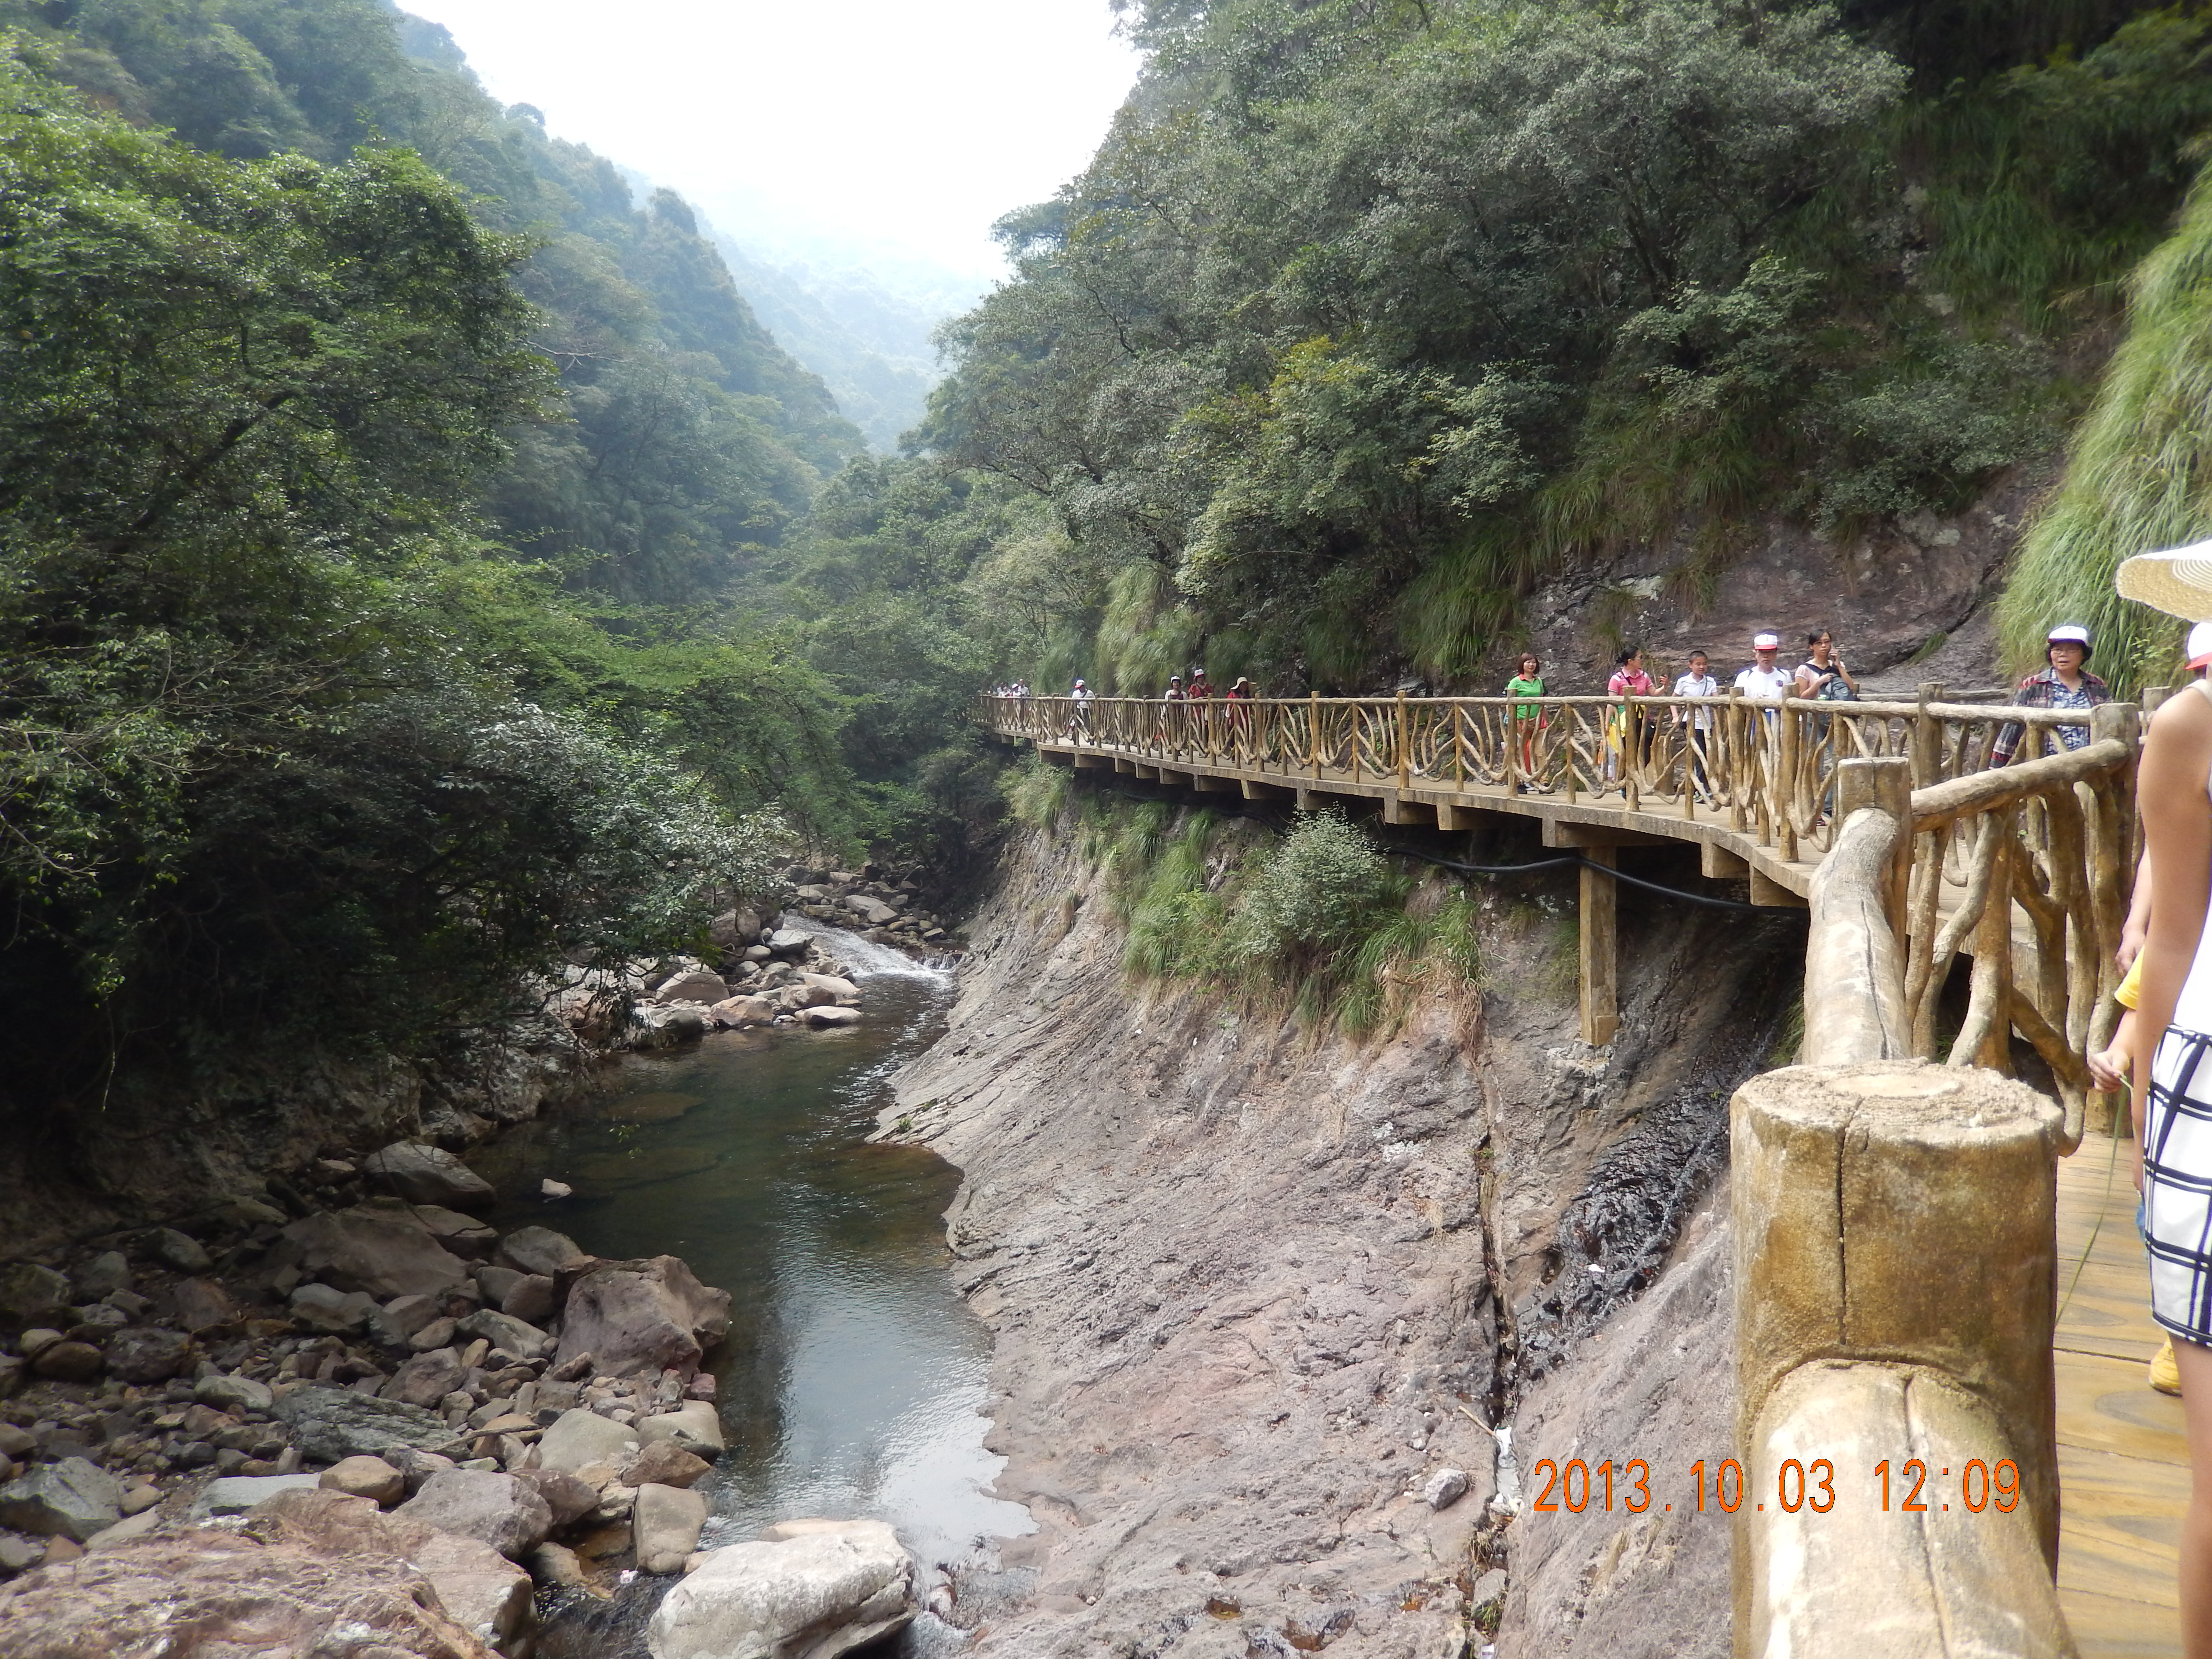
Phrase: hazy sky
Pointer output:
(911, 123)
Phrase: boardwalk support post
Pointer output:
(1600, 949)
(1861, 1341)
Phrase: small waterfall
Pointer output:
(863, 958)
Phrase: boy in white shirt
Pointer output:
(1699, 682)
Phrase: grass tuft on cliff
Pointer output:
(2139, 477)
(1315, 922)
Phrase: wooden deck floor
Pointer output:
(2121, 1463)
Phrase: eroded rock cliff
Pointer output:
(1252, 1291)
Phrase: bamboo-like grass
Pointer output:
(2138, 476)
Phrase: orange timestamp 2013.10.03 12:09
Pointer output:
(1910, 1485)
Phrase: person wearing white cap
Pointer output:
(2169, 1070)
(1764, 679)
(2061, 683)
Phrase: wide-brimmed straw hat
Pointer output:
(2176, 579)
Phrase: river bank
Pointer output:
(1260, 1298)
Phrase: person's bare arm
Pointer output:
(2138, 922)
(2177, 838)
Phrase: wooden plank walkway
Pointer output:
(2123, 1465)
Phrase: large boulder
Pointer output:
(540, 1250)
(330, 1424)
(667, 1521)
(820, 1594)
(693, 985)
(236, 1394)
(788, 942)
(655, 1026)
(873, 911)
(694, 1426)
(427, 1175)
(385, 1253)
(29, 1293)
(824, 1018)
(650, 1315)
(73, 1498)
(570, 1498)
(579, 1438)
(506, 1513)
(847, 994)
(207, 1592)
(733, 930)
(737, 1013)
(481, 1590)
(337, 1313)
(236, 1494)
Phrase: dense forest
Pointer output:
(422, 567)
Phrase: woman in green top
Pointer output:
(1527, 717)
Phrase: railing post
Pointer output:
(1600, 948)
(1313, 733)
(1459, 745)
(1850, 1348)
(1405, 745)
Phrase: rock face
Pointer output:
(1289, 1322)
(824, 1594)
(633, 1315)
(500, 1510)
(427, 1175)
(235, 1595)
(73, 1498)
(384, 1253)
(330, 1424)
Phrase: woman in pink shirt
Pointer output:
(1629, 680)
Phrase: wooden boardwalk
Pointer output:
(2122, 1464)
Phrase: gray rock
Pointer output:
(235, 1395)
(319, 1308)
(18, 1554)
(496, 1282)
(694, 985)
(530, 1299)
(67, 1362)
(417, 1467)
(438, 1333)
(147, 1353)
(788, 941)
(695, 1426)
(400, 1318)
(464, 1235)
(200, 1304)
(551, 1188)
(666, 1521)
(427, 1175)
(825, 1593)
(580, 1439)
(179, 1250)
(873, 911)
(637, 1316)
(234, 1494)
(652, 1026)
(570, 1498)
(108, 1272)
(29, 1293)
(501, 1511)
(519, 1337)
(1444, 1488)
(74, 1498)
(539, 1250)
(426, 1379)
(480, 1591)
(825, 1017)
(384, 1253)
(333, 1422)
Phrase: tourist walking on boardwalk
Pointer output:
(1628, 731)
(1078, 724)
(1201, 687)
(1528, 681)
(1240, 718)
(1764, 679)
(2170, 1092)
(1699, 682)
(1822, 674)
(2063, 682)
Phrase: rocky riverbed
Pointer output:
(386, 1414)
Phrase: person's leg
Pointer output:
(2195, 1363)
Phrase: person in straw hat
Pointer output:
(2170, 1093)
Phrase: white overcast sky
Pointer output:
(912, 124)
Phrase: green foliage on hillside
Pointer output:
(295, 763)
(1368, 314)
(2139, 474)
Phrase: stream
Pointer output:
(853, 1381)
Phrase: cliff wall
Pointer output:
(1252, 1289)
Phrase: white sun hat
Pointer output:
(2176, 579)
(2069, 634)
(1767, 642)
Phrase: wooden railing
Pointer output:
(1769, 767)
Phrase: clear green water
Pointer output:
(853, 1378)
